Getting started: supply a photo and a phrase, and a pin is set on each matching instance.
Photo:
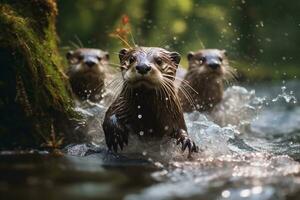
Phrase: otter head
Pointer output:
(211, 62)
(87, 60)
(148, 66)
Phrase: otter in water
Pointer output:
(86, 72)
(147, 105)
(208, 68)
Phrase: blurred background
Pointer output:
(261, 37)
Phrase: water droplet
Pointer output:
(167, 98)
(140, 116)
(139, 107)
(256, 190)
(268, 39)
(245, 193)
(166, 127)
(158, 164)
(141, 133)
(226, 194)
(150, 130)
(261, 23)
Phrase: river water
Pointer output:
(249, 149)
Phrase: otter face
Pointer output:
(87, 61)
(148, 66)
(208, 61)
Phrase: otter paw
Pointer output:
(116, 136)
(116, 140)
(186, 142)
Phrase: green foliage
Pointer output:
(31, 74)
(263, 34)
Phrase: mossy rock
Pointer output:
(34, 93)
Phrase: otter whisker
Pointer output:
(168, 89)
(186, 94)
(132, 39)
(113, 81)
(114, 64)
(74, 45)
(183, 81)
(165, 92)
(171, 88)
(79, 41)
(115, 85)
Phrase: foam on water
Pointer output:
(288, 97)
(239, 107)
(232, 160)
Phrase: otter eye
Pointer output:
(74, 60)
(200, 61)
(80, 57)
(99, 58)
(158, 61)
(221, 59)
(132, 59)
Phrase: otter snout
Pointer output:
(90, 62)
(213, 64)
(143, 68)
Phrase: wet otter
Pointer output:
(147, 105)
(208, 68)
(86, 72)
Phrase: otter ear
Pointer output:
(224, 52)
(175, 57)
(69, 55)
(190, 55)
(106, 55)
(122, 53)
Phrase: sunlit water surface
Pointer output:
(249, 149)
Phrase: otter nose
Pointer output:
(90, 63)
(143, 69)
(214, 65)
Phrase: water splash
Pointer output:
(91, 124)
(288, 97)
(237, 158)
(238, 107)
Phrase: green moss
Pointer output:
(29, 38)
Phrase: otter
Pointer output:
(147, 105)
(86, 72)
(207, 70)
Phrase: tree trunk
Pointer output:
(35, 103)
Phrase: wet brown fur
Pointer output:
(146, 107)
(87, 82)
(207, 84)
